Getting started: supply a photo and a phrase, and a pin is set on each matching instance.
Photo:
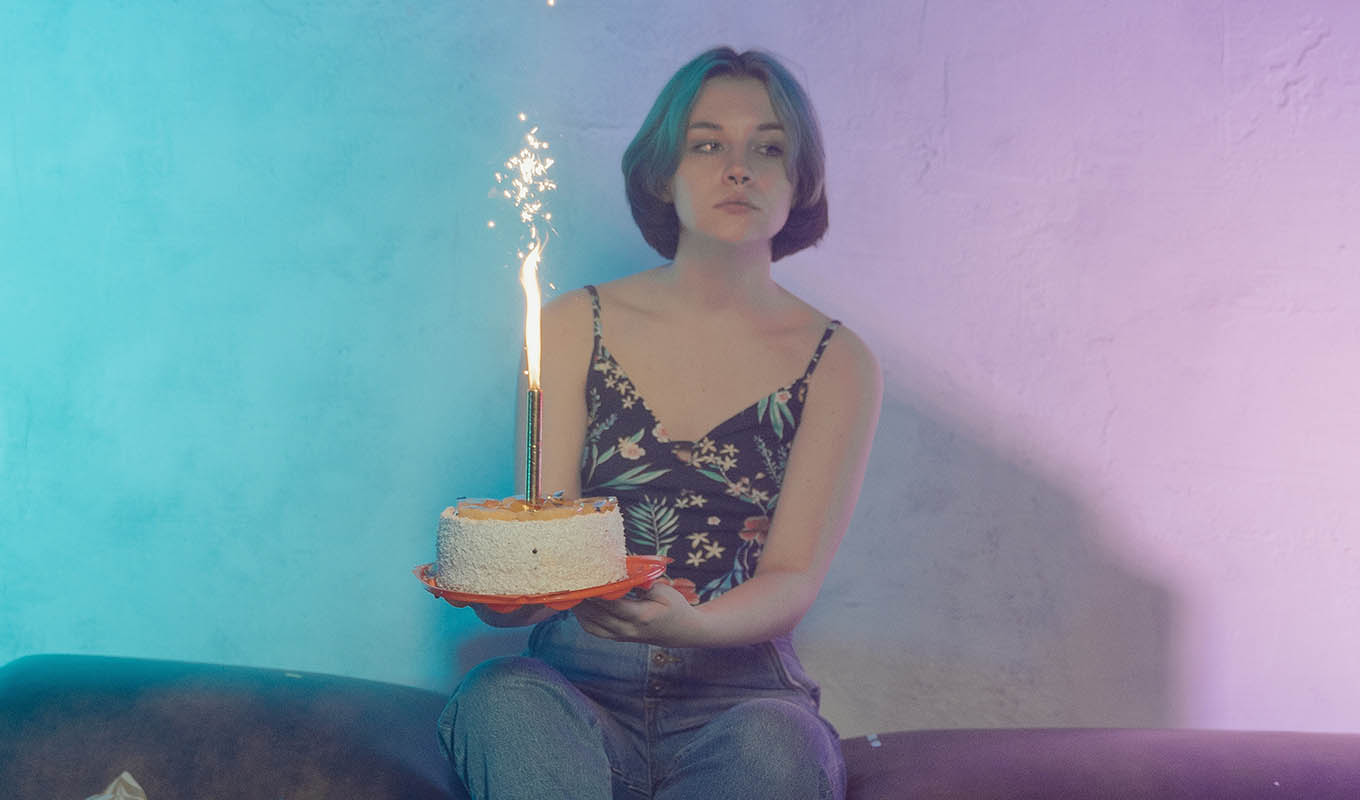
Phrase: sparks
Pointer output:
(528, 176)
(525, 181)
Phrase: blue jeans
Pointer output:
(578, 717)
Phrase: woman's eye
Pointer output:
(768, 149)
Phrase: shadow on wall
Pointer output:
(971, 591)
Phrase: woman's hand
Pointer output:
(659, 615)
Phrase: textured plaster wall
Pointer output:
(254, 333)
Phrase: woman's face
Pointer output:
(732, 184)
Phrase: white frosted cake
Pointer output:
(509, 547)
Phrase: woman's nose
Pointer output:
(737, 174)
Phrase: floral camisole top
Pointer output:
(706, 504)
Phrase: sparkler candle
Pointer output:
(528, 278)
(527, 172)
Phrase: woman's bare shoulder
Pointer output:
(850, 366)
(567, 328)
(565, 313)
(566, 307)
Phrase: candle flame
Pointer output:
(533, 301)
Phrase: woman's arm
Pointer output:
(568, 341)
(821, 484)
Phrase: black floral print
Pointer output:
(706, 504)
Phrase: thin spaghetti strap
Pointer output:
(595, 312)
(821, 347)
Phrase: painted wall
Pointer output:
(255, 334)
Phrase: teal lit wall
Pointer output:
(256, 333)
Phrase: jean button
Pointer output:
(659, 657)
(656, 687)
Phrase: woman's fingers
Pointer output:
(651, 617)
(598, 621)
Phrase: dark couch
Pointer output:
(70, 724)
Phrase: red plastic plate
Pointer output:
(642, 573)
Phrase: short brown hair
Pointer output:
(652, 158)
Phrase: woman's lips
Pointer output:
(736, 205)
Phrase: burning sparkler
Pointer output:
(527, 173)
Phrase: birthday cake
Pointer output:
(510, 547)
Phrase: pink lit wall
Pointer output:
(1110, 257)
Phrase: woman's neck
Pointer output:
(718, 275)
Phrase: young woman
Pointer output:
(703, 395)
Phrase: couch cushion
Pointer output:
(70, 724)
